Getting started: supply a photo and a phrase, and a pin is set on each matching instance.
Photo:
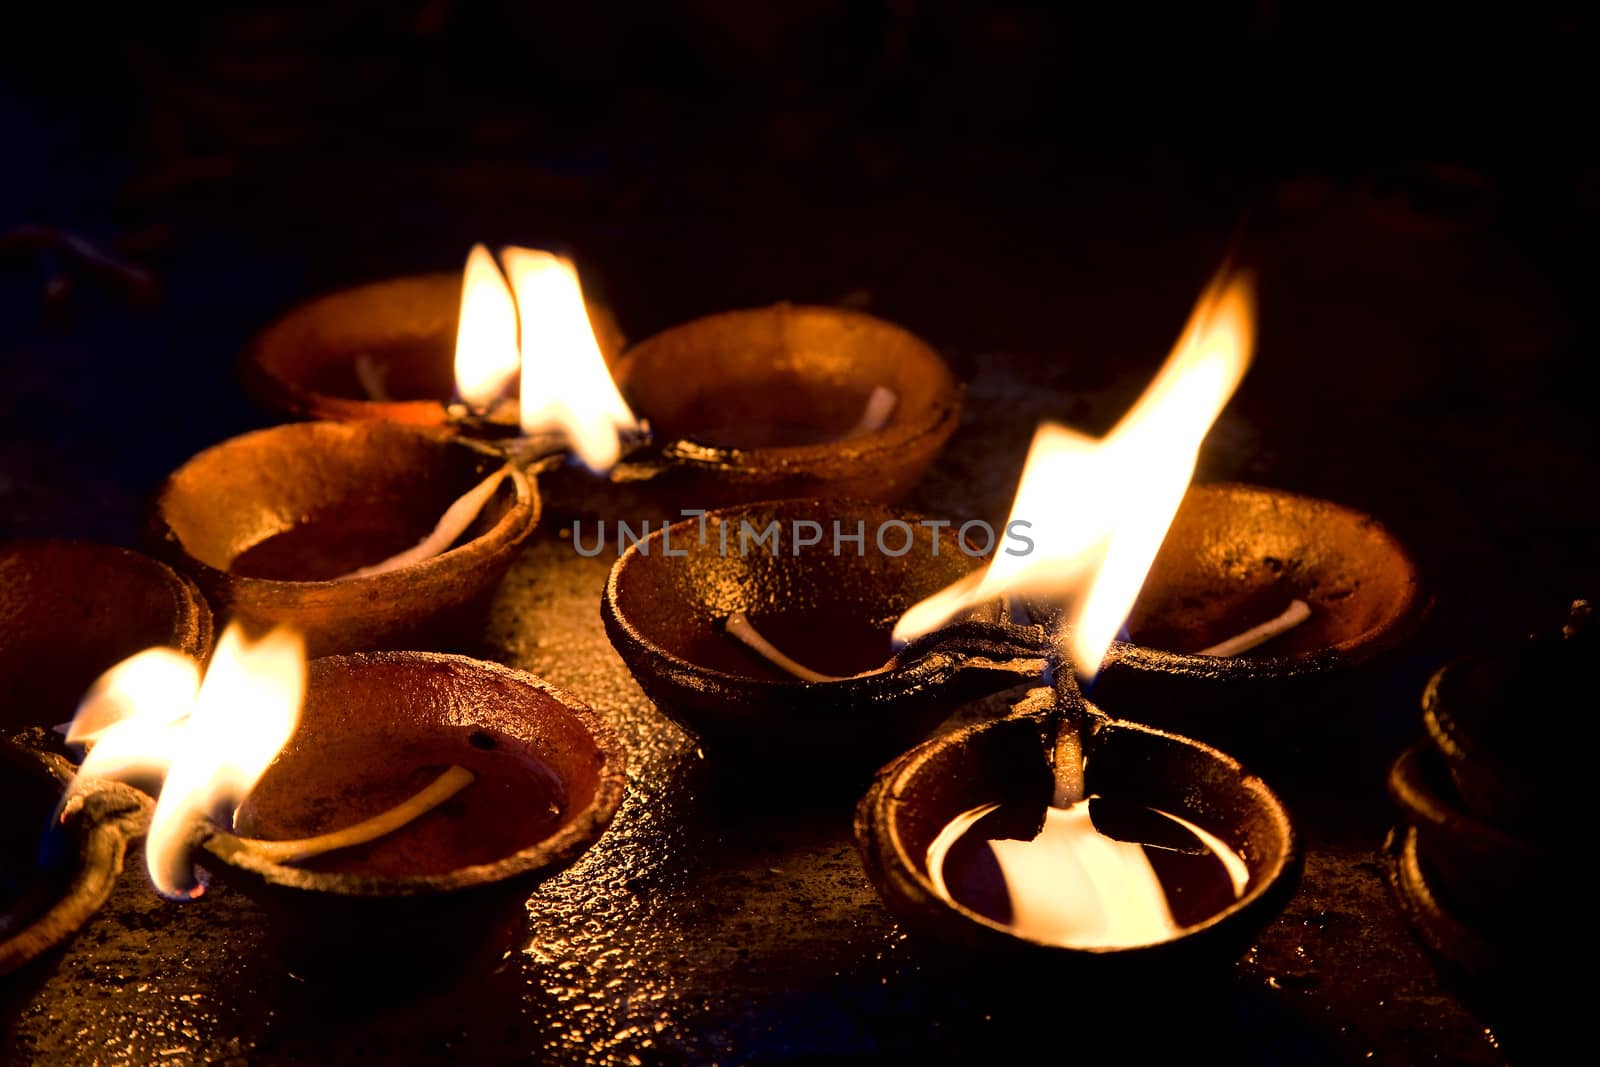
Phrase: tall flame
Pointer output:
(486, 333)
(566, 385)
(1099, 510)
(212, 739)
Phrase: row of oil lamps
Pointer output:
(376, 536)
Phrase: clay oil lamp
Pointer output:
(69, 610)
(1244, 599)
(400, 801)
(55, 875)
(768, 627)
(790, 401)
(359, 535)
(387, 351)
(1492, 804)
(1334, 590)
(1061, 835)
(1174, 862)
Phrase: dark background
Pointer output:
(1039, 192)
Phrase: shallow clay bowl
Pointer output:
(758, 405)
(69, 610)
(1505, 773)
(1235, 556)
(54, 875)
(265, 522)
(304, 364)
(1483, 868)
(833, 613)
(376, 728)
(916, 796)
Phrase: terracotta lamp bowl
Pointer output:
(55, 875)
(69, 610)
(377, 728)
(760, 405)
(1004, 760)
(665, 615)
(305, 363)
(265, 522)
(1236, 555)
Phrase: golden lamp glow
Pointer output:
(209, 739)
(566, 385)
(1099, 509)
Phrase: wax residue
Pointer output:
(1073, 885)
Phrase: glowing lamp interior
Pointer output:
(1098, 510)
(566, 386)
(208, 739)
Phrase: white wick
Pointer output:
(1296, 613)
(741, 630)
(457, 517)
(880, 405)
(441, 789)
(373, 378)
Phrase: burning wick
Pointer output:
(408, 811)
(457, 517)
(740, 629)
(880, 405)
(1296, 613)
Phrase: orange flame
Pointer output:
(1099, 510)
(566, 385)
(210, 739)
(486, 333)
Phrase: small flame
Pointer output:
(1099, 510)
(210, 738)
(566, 385)
(486, 333)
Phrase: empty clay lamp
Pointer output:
(288, 524)
(670, 598)
(962, 838)
(790, 402)
(408, 794)
(383, 351)
(1492, 802)
(69, 610)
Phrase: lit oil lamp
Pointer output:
(358, 535)
(777, 402)
(358, 793)
(1061, 832)
(390, 351)
(1241, 596)
(69, 610)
